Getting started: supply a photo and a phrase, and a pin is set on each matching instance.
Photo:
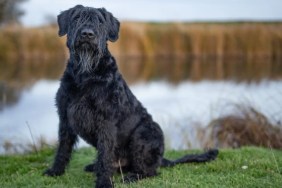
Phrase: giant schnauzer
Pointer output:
(95, 103)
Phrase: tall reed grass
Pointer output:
(240, 40)
(30, 44)
(205, 40)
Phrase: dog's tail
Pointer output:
(196, 158)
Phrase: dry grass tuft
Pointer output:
(248, 128)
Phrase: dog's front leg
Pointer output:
(67, 140)
(105, 168)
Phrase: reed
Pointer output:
(221, 40)
(20, 44)
(204, 40)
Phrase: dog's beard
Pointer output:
(88, 58)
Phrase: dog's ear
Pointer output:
(112, 25)
(64, 19)
(63, 22)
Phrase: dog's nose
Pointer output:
(87, 33)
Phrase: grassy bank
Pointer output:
(245, 167)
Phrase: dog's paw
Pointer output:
(89, 168)
(129, 179)
(52, 172)
(104, 183)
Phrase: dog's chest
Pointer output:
(90, 108)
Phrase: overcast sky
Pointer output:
(37, 11)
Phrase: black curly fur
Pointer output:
(95, 103)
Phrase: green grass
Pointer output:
(264, 169)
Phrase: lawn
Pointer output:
(245, 167)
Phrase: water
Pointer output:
(180, 97)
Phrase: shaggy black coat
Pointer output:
(95, 103)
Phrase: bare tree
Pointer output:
(10, 11)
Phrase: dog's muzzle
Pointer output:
(86, 39)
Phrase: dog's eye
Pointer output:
(100, 21)
(76, 18)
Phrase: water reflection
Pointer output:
(176, 70)
(35, 110)
(16, 76)
(180, 109)
(20, 75)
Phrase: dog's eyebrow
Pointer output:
(75, 14)
(85, 15)
(100, 16)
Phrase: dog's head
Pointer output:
(88, 28)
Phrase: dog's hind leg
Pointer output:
(146, 149)
(91, 167)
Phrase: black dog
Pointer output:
(95, 103)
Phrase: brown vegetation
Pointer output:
(240, 40)
(30, 44)
(205, 40)
(249, 127)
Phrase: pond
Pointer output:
(183, 96)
